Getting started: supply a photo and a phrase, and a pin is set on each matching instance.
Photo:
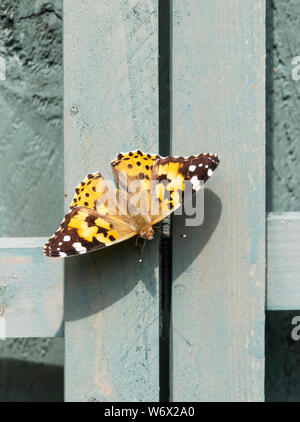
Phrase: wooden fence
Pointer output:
(109, 310)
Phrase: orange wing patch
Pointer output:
(82, 231)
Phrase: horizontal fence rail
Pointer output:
(31, 285)
(31, 289)
(283, 261)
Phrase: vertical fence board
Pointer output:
(111, 105)
(219, 268)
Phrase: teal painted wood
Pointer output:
(31, 289)
(283, 262)
(35, 292)
(111, 105)
(219, 268)
(31, 286)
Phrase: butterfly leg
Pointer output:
(142, 247)
(142, 250)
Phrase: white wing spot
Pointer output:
(192, 168)
(210, 172)
(63, 254)
(66, 239)
(78, 247)
(195, 182)
(200, 165)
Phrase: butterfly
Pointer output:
(151, 187)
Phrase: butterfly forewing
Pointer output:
(84, 230)
(132, 171)
(136, 165)
(176, 177)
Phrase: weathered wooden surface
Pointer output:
(111, 105)
(31, 289)
(219, 269)
(283, 264)
(36, 296)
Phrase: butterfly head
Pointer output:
(147, 232)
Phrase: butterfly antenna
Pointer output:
(142, 250)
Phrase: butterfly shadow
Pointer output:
(98, 280)
(189, 241)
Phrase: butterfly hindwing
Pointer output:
(83, 230)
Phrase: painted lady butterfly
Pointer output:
(150, 188)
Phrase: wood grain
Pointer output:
(111, 105)
(219, 268)
(31, 289)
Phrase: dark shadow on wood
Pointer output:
(196, 237)
(88, 297)
(22, 381)
(282, 358)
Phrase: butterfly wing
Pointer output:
(136, 165)
(94, 221)
(97, 220)
(92, 193)
(170, 175)
(132, 171)
(84, 230)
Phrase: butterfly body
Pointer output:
(146, 232)
(150, 188)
